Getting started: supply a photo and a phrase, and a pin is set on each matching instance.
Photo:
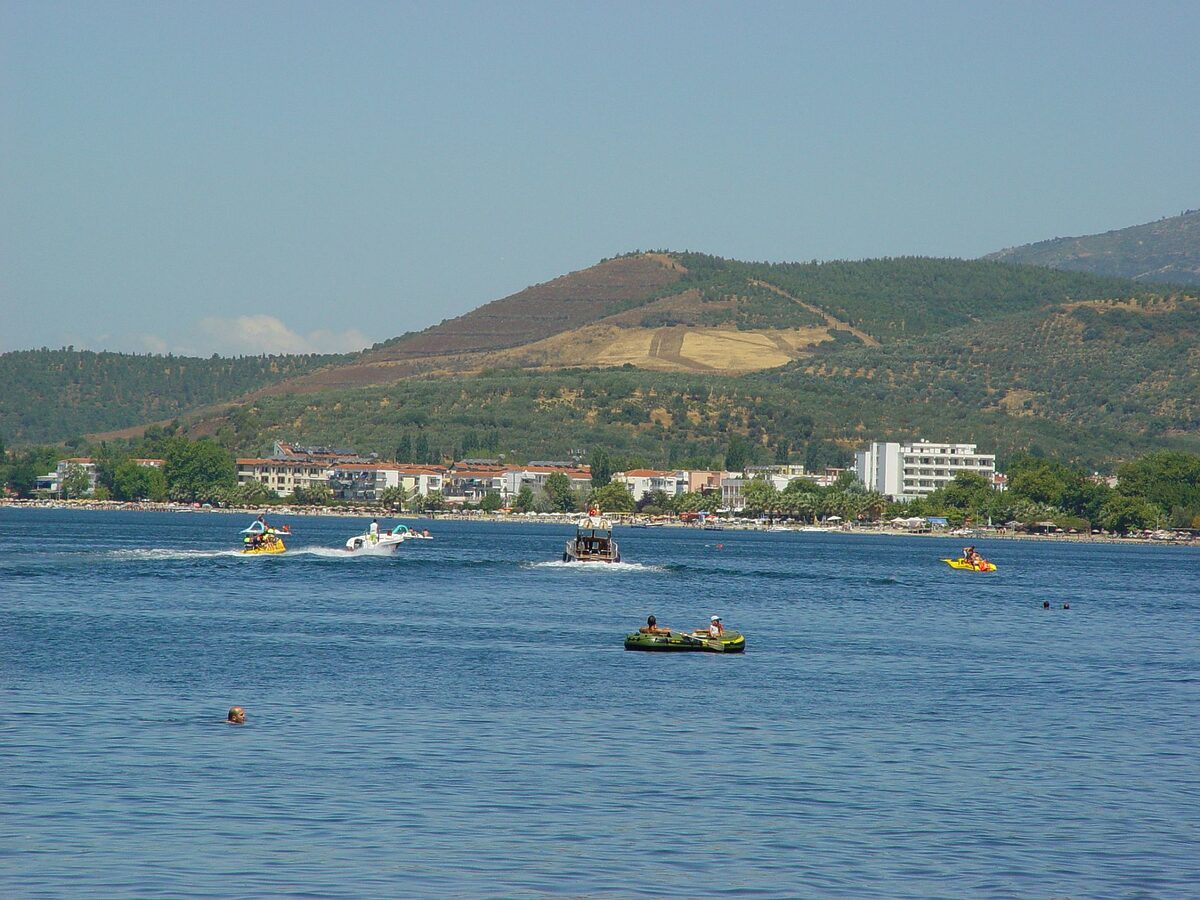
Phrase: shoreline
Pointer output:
(561, 519)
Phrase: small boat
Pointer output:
(593, 541)
(682, 641)
(260, 539)
(387, 540)
(963, 563)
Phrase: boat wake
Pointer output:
(166, 554)
(612, 568)
(163, 553)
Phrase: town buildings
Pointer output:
(52, 482)
(641, 482)
(906, 471)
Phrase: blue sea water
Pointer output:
(460, 720)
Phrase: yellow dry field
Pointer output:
(673, 349)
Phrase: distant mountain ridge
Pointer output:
(1164, 252)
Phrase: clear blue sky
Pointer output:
(243, 177)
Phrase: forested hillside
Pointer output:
(51, 395)
(1166, 251)
(666, 355)
(663, 418)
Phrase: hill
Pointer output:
(667, 355)
(1166, 251)
(52, 395)
(689, 312)
(1089, 368)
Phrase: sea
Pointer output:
(460, 719)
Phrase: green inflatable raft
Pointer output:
(729, 642)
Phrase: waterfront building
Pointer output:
(282, 476)
(906, 471)
(640, 482)
(469, 481)
(291, 466)
(368, 481)
(703, 482)
(535, 474)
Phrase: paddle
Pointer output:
(710, 643)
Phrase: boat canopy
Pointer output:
(593, 523)
(256, 527)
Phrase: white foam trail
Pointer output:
(163, 553)
(613, 568)
(340, 552)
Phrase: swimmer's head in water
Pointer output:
(237, 716)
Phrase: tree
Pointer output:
(1042, 482)
(968, 491)
(434, 502)
(737, 454)
(602, 467)
(782, 453)
(76, 482)
(491, 502)
(251, 493)
(131, 481)
(404, 449)
(524, 499)
(654, 503)
(393, 497)
(1167, 479)
(421, 451)
(558, 493)
(1122, 514)
(613, 497)
(23, 476)
(318, 494)
(760, 497)
(197, 470)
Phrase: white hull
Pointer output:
(380, 542)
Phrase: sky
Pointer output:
(262, 177)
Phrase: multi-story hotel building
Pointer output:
(908, 471)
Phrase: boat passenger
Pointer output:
(373, 531)
(972, 556)
(651, 627)
(715, 628)
(237, 716)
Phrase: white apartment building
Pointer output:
(641, 482)
(282, 476)
(911, 470)
(535, 476)
(368, 481)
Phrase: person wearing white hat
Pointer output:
(715, 628)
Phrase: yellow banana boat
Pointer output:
(962, 563)
(275, 546)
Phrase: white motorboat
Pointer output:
(384, 540)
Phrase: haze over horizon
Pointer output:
(304, 177)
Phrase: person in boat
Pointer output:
(972, 556)
(237, 716)
(715, 628)
(651, 627)
(373, 531)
